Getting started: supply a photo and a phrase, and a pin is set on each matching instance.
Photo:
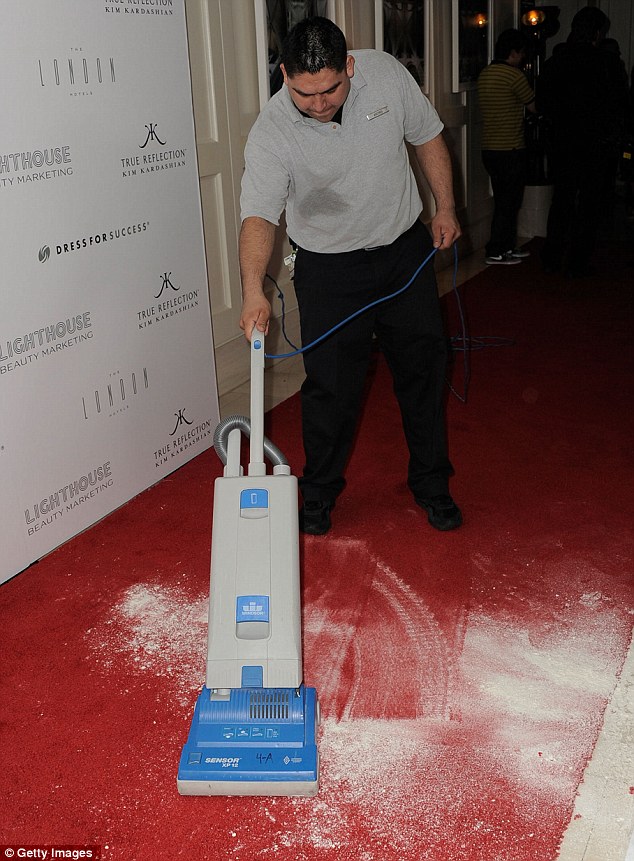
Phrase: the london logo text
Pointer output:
(77, 73)
(116, 394)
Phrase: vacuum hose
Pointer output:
(221, 436)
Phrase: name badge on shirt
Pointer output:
(377, 113)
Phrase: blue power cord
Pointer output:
(459, 343)
(342, 323)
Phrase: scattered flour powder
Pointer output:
(522, 711)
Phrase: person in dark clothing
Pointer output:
(580, 93)
(614, 143)
(504, 94)
(627, 165)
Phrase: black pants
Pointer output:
(507, 169)
(573, 219)
(329, 288)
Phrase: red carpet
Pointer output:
(463, 677)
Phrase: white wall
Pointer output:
(106, 363)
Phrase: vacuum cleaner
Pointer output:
(254, 729)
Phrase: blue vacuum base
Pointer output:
(254, 741)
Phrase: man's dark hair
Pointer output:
(510, 40)
(589, 25)
(312, 45)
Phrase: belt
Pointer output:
(296, 247)
(377, 247)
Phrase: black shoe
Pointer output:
(442, 512)
(314, 517)
(505, 259)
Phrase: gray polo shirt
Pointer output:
(347, 186)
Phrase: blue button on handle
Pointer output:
(254, 497)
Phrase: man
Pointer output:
(329, 148)
(504, 94)
(582, 94)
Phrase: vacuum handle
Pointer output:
(257, 465)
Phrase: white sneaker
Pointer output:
(519, 253)
(503, 259)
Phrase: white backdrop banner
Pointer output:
(107, 379)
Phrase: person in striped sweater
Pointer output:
(504, 95)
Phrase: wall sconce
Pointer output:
(480, 20)
(533, 18)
